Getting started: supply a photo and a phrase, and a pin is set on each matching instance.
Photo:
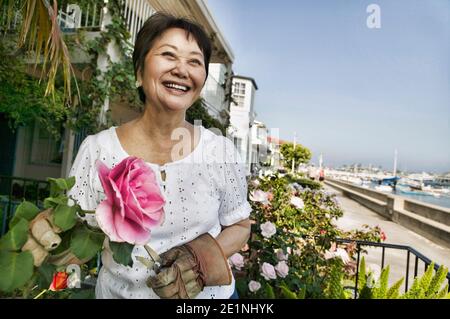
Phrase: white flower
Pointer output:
(281, 255)
(374, 272)
(297, 202)
(268, 271)
(282, 269)
(268, 229)
(259, 196)
(254, 286)
(237, 260)
(255, 182)
(268, 172)
(340, 252)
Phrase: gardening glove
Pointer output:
(188, 268)
(42, 236)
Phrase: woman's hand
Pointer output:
(188, 268)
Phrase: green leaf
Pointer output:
(436, 282)
(394, 291)
(16, 269)
(286, 292)
(83, 294)
(53, 202)
(362, 275)
(85, 243)
(16, 237)
(122, 253)
(25, 210)
(45, 275)
(65, 242)
(302, 293)
(59, 185)
(269, 292)
(383, 284)
(65, 217)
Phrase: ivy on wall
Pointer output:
(22, 96)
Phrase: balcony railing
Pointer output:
(13, 190)
(411, 255)
(73, 16)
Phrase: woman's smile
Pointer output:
(174, 71)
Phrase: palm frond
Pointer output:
(41, 34)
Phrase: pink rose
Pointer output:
(281, 255)
(237, 261)
(268, 229)
(282, 269)
(254, 286)
(133, 204)
(268, 271)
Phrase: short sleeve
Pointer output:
(83, 169)
(234, 206)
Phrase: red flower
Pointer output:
(323, 232)
(59, 281)
(383, 236)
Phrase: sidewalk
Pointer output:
(355, 215)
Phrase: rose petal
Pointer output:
(131, 232)
(117, 199)
(105, 219)
(103, 172)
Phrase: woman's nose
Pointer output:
(180, 70)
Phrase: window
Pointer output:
(45, 149)
(239, 88)
(239, 100)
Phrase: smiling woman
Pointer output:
(200, 174)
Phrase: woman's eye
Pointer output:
(168, 54)
(196, 62)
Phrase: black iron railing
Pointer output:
(410, 252)
(13, 190)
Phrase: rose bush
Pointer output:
(292, 250)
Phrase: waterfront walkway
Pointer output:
(356, 215)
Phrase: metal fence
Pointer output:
(13, 190)
(411, 254)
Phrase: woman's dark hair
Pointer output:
(154, 27)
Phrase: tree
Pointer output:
(301, 154)
(40, 34)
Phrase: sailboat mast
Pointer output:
(395, 163)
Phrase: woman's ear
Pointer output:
(138, 78)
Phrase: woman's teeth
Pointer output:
(176, 86)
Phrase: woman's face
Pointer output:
(174, 71)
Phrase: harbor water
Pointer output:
(442, 200)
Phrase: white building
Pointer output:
(213, 92)
(260, 146)
(242, 115)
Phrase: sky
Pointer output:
(350, 92)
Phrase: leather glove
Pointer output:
(43, 237)
(188, 268)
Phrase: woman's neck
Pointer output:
(159, 125)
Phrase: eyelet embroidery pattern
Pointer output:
(200, 197)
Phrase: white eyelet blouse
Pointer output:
(203, 191)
